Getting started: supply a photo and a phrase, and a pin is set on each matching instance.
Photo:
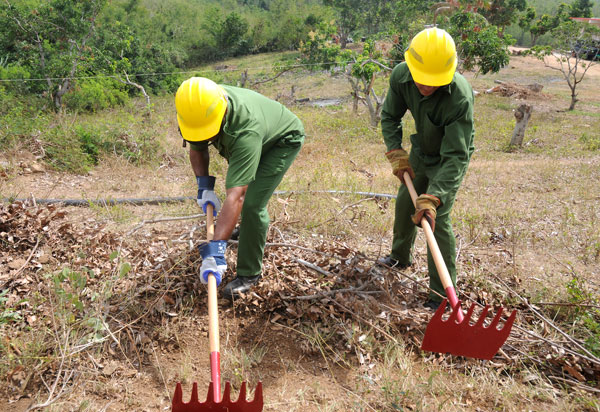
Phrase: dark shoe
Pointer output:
(235, 235)
(240, 284)
(432, 304)
(391, 262)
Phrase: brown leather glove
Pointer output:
(399, 160)
(426, 206)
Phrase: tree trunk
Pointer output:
(574, 100)
(522, 114)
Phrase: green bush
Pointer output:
(20, 117)
(15, 73)
(92, 95)
(79, 148)
(64, 150)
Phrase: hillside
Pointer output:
(101, 307)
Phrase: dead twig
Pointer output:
(576, 384)
(166, 219)
(18, 272)
(568, 304)
(333, 292)
(313, 267)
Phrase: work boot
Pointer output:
(391, 262)
(239, 285)
(432, 304)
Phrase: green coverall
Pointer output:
(440, 153)
(260, 139)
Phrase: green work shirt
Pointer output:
(253, 124)
(444, 123)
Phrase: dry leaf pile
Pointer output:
(110, 290)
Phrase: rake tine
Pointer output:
(194, 398)
(482, 317)
(258, 395)
(226, 397)
(494, 324)
(509, 322)
(178, 396)
(469, 314)
(242, 395)
(210, 398)
(440, 311)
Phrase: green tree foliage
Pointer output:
(479, 46)
(503, 13)
(50, 39)
(227, 33)
(581, 8)
(539, 26)
(318, 51)
(350, 16)
(139, 43)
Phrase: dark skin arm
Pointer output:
(200, 160)
(230, 212)
(232, 207)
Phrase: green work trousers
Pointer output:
(255, 216)
(405, 230)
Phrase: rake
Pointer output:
(214, 402)
(456, 335)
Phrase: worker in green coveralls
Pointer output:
(441, 103)
(260, 139)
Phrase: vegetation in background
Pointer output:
(50, 40)
(479, 45)
(124, 48)
(572, 44)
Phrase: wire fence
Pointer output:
(201, 71)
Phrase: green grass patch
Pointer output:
(590, 142)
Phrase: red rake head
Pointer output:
(225, 405)
(463, 339)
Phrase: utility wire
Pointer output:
(227, 69)
(158, 200)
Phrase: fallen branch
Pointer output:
(568, 304)
(333, 292)
(575, 383)
(166, 219)
(313, 267)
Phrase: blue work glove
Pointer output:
(213, 260)
(206, 193)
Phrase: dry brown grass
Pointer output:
(529, 216)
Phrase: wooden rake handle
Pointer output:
(435, 251)
(213, 316)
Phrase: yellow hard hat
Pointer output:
(431, 57)
(201, 105)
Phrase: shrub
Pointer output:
(94, 94)
(16, 73)
(64, 150)
(20, 118)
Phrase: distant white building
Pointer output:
(591, 20)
